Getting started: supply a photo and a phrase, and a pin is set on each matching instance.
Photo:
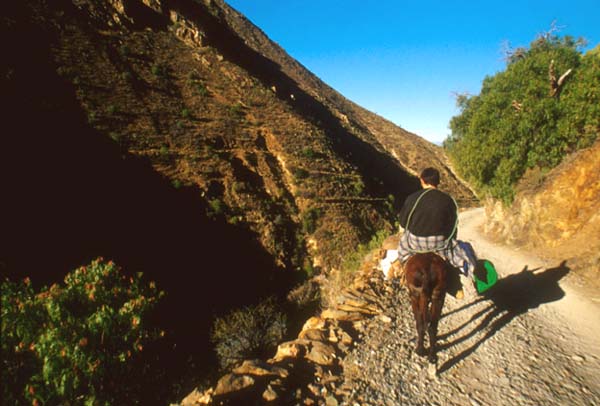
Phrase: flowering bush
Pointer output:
(77, 344)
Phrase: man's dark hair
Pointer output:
(431, 176)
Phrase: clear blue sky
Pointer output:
(404, 60)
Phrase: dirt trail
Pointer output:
(532, 341)
(581, 312)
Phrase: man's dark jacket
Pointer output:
(435, 213)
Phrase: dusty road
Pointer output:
(533, 340)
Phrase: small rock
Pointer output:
(269, 394)
(331, 401)
(432, 370)
(314, 389)
(385, 319)
(577, 358)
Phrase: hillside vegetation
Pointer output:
(543, 106)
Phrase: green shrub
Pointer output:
(79, 343)
(300, 173)
(309, 153)
(238, 187)
(159, 70)
(308, 268)
(215, 207)
(124, 50)
(112, 109)
(235, 220)
(116, 137)
(279, 220)
(310, 218)
(193, 76)
(358, 187)
(353, 261)
(236, 110)
(250, 332)
(200, 89)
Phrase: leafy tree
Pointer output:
(544, 105)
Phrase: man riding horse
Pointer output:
(429, 218)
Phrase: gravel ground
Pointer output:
(531, 341)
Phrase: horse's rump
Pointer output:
(426, 273)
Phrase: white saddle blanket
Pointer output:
(391, 256)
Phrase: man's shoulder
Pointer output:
(443, 194)
(429, 196)
(415, 194)
(441, 197)
(412, 198)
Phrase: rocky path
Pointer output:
(532, 341)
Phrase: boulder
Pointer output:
(342, 315)
(314, 335)
(321, 353)
(259, 368)
(314, 323)
(233, 383)
(197, 398)
(289, 349)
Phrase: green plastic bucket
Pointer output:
(485, 276)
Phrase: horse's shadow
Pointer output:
(510, 297)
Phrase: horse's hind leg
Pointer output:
(419, 309)
(437, 303)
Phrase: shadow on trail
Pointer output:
(512, 296)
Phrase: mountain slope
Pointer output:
(557, 215)
(411, 151)
(211, 102)
(174, 138)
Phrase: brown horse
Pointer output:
(426, 277)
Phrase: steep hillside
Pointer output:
(175, 138)
(210, 103)
(557, 215)
(411, 151)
